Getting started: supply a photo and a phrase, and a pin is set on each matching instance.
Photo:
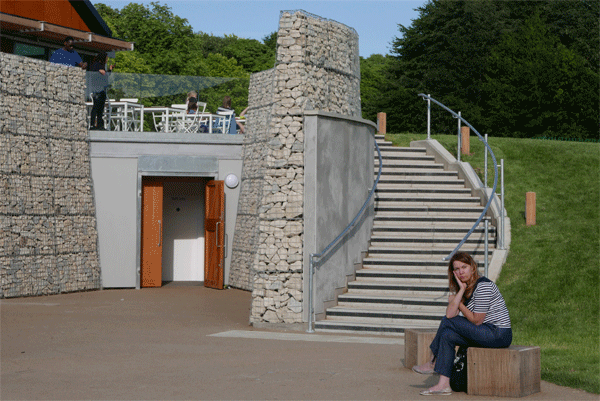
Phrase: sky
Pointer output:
(375, 21)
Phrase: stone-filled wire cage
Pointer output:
(48, 235)
(329, 50)
(317, 68)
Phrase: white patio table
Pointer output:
(126, 116)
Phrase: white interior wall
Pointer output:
(183, 231)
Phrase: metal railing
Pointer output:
(491, 197)
(313, 256)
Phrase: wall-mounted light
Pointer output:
(231, 181)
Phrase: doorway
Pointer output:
(174, 215)
(183, 230)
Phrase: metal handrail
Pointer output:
(332, 243)
(456, 115)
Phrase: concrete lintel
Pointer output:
(161, 137)
(328, 114)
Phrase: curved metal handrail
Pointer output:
(456, 115)
(332, 243)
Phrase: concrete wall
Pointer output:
(121, 159)
(48, 237)
(338, 176)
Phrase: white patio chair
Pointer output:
(221, 124)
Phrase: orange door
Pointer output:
(152, 209)
(214, 234)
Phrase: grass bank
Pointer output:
(551, 278)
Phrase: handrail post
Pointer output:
(428, 116)
(486, 262)
(502, 192)
(485, 163)
(459, 138)
(310, 294)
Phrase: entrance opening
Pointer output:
(183, 230)
(173, 233)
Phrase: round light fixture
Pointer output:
(231, 181)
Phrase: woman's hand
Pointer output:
(461, 286)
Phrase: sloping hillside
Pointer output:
(551, 278)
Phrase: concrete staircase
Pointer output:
(421, 213)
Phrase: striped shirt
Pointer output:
(487, 299)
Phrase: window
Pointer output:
(23, 49)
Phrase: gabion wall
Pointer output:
(317, 68)
(48, 238)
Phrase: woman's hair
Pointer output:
(192, 104)
(191, 95)
(227, 102)
(467, 259)
(100, 57)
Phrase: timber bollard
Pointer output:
(381, 123)
(465, 133)
(530, 209)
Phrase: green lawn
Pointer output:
(551, 278)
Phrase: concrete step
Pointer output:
(401, 230)
(417, 173)
(419, 251)
(423, 181)
(427, 202)
(394, 303)
(327, 326)
(416, 185)
(401, 150)
(402, 276)
(434, 290)
(401, 191)
(423, 241)
(375, 316)
(403, 212)
(421, 162)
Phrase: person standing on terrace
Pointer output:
(67, 55)
(98, 84)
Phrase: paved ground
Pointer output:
(188, 342)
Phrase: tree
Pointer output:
(536, 86)
(271, 41)
(373, 87)
(252, 55)
(444, 53)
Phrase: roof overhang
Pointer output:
(57, 34)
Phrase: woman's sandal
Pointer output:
(417, 369)
(446, 391)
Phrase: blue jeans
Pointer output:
(460, 331)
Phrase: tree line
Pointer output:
(512, 68)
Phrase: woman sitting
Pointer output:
(192, 106)
(233, 126)
(476, 316)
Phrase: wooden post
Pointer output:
(530, 209)
(381, 123)
(465, 135)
